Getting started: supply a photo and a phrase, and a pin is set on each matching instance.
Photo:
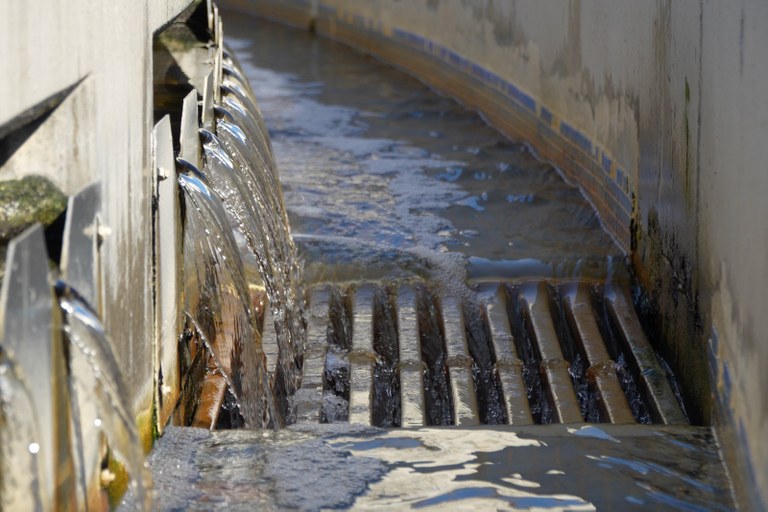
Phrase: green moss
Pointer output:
(117, 487)
(147, 430)
(26, 201)
(178, 37)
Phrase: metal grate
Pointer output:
(508, 353)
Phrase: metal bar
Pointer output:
(584, 327)
(362, 357)
(555, 367)
(309, 399)
(30, 336)
(465, 409)
(168, 242)
(269, 341)
(411, 365)
(664, 405)
(507, 362)
(211, 397)
(189, 136)
(208, 117)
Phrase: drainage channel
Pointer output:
(526, 352)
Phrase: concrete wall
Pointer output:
(656, 110)
(97, 57)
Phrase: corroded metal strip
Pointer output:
(665, 407)
(309, 399)
(411, 366)
(555, 367)
(465, 407)
(362, 356)
(211, 398)
(507, 362)
(601, 370)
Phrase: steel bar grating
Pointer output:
(508, 353)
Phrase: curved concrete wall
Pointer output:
(657, 112)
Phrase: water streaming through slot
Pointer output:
(586, 393)
(486, 378)
(96, 385)
(254, 199)
(627, 375)
(218, 303)
(237, 248)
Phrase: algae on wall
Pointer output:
(24, 202)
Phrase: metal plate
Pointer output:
(30, 334)
(189, 137)
(168, 263)
(79, 252)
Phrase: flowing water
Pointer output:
(99, 408)
(335, 466)
(239, 160)
(219, 305)
(385, 180)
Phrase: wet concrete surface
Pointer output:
(555, 467)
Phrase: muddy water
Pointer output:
(384, 177)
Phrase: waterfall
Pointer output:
(239, 168)
(218, 304)
(98, 398)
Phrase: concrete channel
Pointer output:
(655, 113)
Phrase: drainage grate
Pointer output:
(511, 353)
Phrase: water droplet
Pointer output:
(97, 423)
(34, 448)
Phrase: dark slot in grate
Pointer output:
(490, 401)
(437, 385)
(628, 376)
(339, 335)
(385, 405)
